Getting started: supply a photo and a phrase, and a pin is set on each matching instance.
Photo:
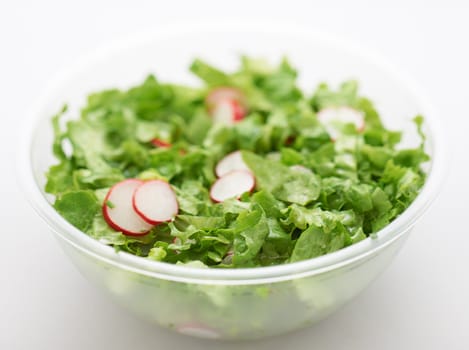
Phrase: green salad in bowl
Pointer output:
(247, 170)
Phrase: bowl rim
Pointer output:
(256, 275)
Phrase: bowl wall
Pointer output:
(233, 311)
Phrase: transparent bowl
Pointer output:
(226, 303)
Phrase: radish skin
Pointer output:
(160, 143)
(238, 111)
(330, 115)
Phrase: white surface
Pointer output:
(421, 301)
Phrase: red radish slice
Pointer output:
(198, 330)
(232, 161)
(119, 212)
(155, 201)
(341, 114)
(228, 112)
(223, 93)
(228, 258)
(160, 143)
(231, 185)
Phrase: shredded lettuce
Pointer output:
(351, 187)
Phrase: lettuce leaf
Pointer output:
(78, 207)
(283, 182)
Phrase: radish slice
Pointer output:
(228, 112)
(223, 93)
(232, 161)
(160, 143)
(233, 184)
(343, 115)
(301, 169)
(228, 258)
(155, 201)
(197, 330)
(119, 212)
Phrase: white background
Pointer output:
(420, 302)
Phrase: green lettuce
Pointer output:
(313, 195)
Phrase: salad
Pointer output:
(246, 170)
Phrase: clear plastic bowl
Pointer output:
(226, 303)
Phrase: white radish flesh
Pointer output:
(232, 185)
(119, 212)
(328, 116)
(301, 169)
(155, 201)
(223, 93)
(232, 161)
(227, 112)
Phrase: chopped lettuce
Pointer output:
(314, 194)
(78, 207)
